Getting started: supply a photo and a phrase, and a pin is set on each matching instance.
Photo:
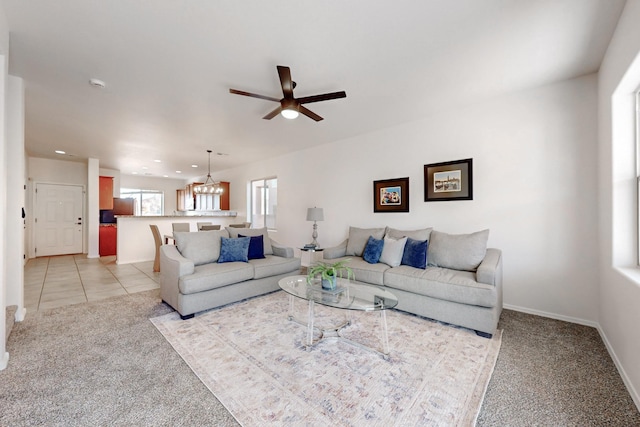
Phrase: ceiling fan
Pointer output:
(289, 105)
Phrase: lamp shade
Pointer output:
(315, 214)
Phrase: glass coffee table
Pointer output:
(348, 296)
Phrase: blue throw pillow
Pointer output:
(256, 246)
(373, 250)
(232, 250)
(415, 253)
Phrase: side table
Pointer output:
(309, 256)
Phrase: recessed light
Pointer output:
(165, 176)
(158, 161)
(97, 83)
(178, 171)
(144, 168)
(60, 152)
(134, 173)
(194, 166)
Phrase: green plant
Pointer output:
(327, 270)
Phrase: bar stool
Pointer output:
(158, 241)
(208, 227)
(200, 224)
(180, 226)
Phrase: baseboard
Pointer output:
(540, 313)
(4, 361)
(625, 378)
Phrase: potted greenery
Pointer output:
(329, 273)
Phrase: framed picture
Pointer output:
(448, 181)
(391, 195)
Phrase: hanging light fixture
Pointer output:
(210, 186)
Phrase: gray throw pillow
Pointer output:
(462, 252)
(249, 232)
(422, 234)
(358, 238)
(201, 247)
(392, 251)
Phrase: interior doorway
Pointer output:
(58, 219)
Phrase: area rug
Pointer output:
(253, 360)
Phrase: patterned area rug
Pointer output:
(253, 360)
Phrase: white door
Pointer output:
(58, 219)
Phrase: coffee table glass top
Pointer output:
(349, 295)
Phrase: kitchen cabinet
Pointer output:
(108, 239)
(225, 197)
(181, 204)
(106, 192)
(123, 206)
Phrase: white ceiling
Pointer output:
(168, 66)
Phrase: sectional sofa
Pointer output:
(451, 278)
(208, 269)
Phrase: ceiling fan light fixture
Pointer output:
(209, 186)
(289, 114)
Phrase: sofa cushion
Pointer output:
(200, 247)
(422, 234)
(373, 250)
(272, 265)
(358, 238)
(415, 253)
(442, 283)
(458, 251)
(234, 250)
(365, 272)
(234, 232)
(392, 251)
(214, 275)
(256, 246)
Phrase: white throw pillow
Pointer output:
(392, 251)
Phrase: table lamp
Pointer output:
(315, 214)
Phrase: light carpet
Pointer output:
(252, 359)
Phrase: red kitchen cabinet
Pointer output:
(108, 240)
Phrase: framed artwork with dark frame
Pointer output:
(448, 181)
(391, 195)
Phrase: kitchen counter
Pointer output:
(135, 240)
(208, 214)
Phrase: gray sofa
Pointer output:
(192, 279)
(460, 284)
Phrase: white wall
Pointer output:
(619, 287)
(15, 232)
(534, 159)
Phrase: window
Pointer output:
(264, 203)
(148, 202)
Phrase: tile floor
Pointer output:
(56, 281)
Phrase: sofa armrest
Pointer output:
(335, 251)
(280, 250)
(490, 269)
(172, 266)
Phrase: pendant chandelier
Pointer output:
(210, 186)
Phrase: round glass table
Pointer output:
(349, 296)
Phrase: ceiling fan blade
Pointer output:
(253, 95)
(310, 114)
(323, 97)
(285, 80)
(274, 113)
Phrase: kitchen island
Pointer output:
(135, 240)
